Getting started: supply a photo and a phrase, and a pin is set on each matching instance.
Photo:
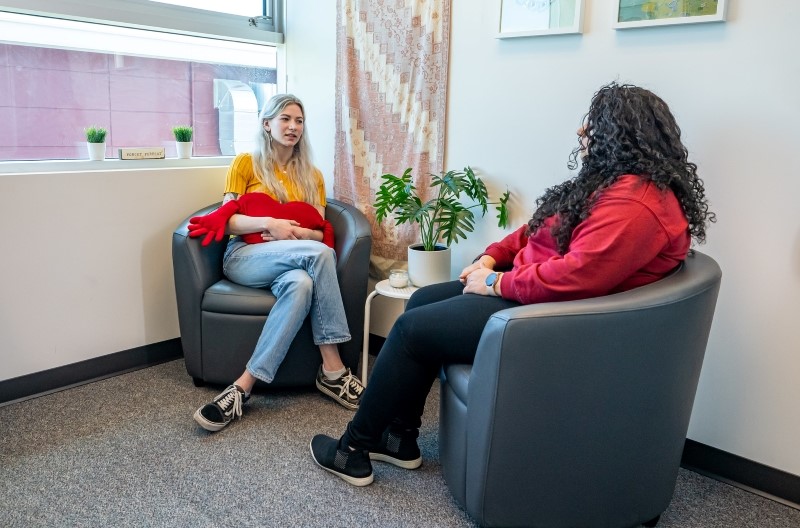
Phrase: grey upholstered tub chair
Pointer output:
(576, 413)
(220, 321)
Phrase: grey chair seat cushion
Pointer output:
(227, 297)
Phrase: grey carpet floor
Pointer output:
(125, 452)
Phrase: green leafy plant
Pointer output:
(182, 133)
(444, 217)
(96, 134)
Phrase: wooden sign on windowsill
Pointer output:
(142, 153)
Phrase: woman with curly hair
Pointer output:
(627, 219)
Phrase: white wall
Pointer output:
(87, 268)
(514, 106)
(311, 74)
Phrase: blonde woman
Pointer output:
(295, 265)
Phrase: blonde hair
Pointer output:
(300, 165)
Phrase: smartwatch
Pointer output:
(491, 280)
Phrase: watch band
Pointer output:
(496, 283)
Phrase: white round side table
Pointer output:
(381, 288)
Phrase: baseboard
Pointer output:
(60, 378)
(757, 478)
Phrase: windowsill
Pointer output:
(110, 164)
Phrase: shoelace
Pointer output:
(232, 399)
(351, 381)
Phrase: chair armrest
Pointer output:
(195, 269)
(353, 235)
(353, 244)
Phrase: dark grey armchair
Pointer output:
(576, 413)
(220, 321)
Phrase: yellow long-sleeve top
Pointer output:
(241, 179)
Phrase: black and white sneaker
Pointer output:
(399, 448)
(352, 466)
(345, 390)
(222, 409)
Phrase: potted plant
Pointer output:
(96, 142)
(443, 219)
(183, 140)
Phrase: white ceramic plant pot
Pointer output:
(184, 149)
(97, 151)
(428, 267)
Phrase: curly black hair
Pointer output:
(628, 130)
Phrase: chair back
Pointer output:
(578, 411)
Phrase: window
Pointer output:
(59, 75)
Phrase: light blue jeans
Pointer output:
(302, 276)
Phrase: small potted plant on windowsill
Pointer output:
(443, 219)
(183, 140)
(96, 142)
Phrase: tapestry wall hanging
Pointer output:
(391, 96)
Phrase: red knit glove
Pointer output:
(213, 224)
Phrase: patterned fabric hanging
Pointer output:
(391, 96)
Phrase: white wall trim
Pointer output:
(11, 168)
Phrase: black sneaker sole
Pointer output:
(327, 392)
(355, 481)
(405, 464)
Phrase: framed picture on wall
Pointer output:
(532, 18)
(645, 13)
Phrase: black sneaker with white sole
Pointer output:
(352, 466)
(345, 390)
(222, 409)
(398, 447)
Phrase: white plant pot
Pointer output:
(428, 267)
(97, 151)
(184, 149)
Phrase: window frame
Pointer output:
(141, 14)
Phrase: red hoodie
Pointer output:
(634, 235)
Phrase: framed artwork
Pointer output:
(531, 18)
(645, 13)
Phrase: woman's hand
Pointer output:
(473, 277)
(303, 233)
(296, 233)
(485, 262)
(280, 229)
(475, 282)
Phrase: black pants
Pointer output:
(441, 325)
